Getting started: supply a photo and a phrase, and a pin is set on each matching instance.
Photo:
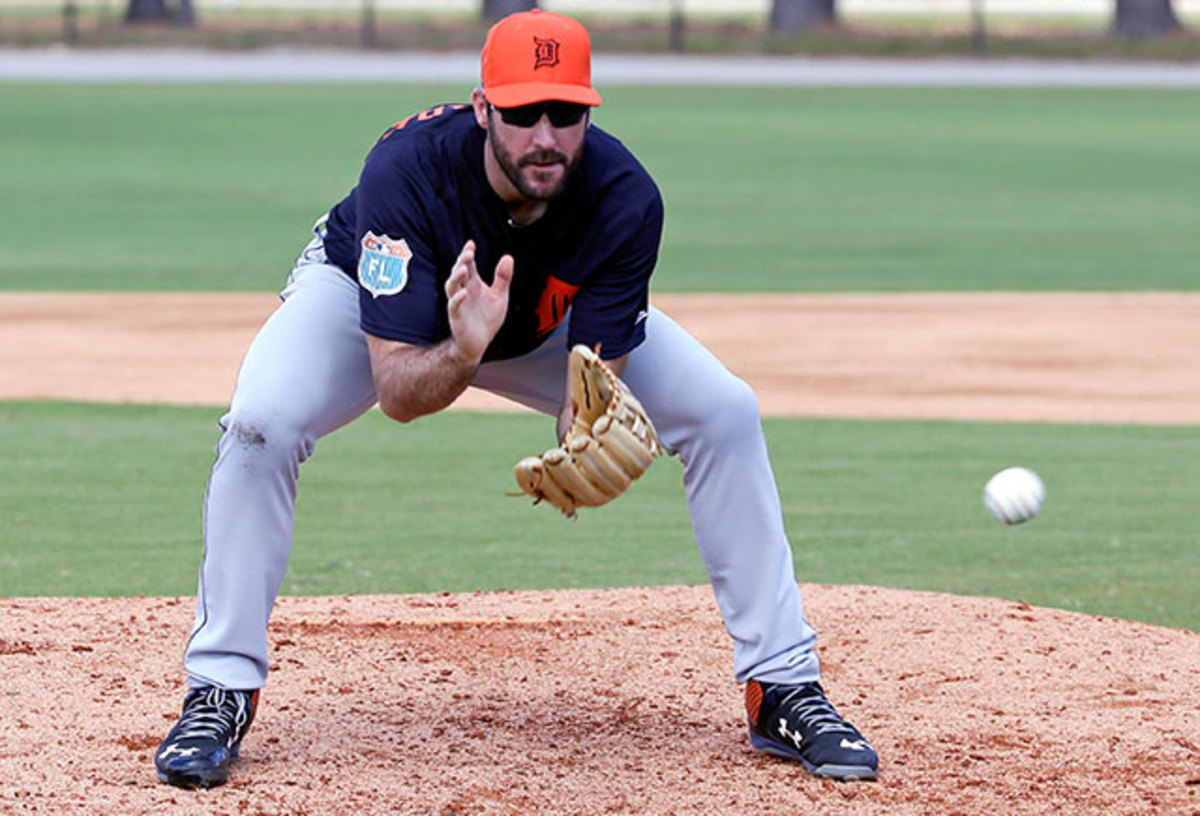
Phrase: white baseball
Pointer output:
(1014, 495)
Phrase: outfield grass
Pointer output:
(172, 187)
(187, 187)
(106, 500)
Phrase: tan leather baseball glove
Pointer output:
(610, 443)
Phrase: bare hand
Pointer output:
(476, 310)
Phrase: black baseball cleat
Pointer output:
(204, 743)
(798, 722)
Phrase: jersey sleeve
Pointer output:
(400, 294)
(612, 307)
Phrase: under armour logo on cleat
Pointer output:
(794, 736)
(855, 745)
(172, 750)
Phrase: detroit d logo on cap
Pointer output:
(545, 53)
(383, 265)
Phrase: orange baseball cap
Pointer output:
(538, 56)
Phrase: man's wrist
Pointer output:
(461, 359)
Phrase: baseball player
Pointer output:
(481, 243)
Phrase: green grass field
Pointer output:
(106, 500)
(212, 187)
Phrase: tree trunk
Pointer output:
(1144, 18)
(145, 11)
(801, 15)
(180, 13)
(494, 10)
(978, 28)
(185, 14)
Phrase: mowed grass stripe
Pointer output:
(194, 187)
(106, 500)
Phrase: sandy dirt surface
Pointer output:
(1125, 358)
(622, 701)
(615, 701)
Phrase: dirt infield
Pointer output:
(1123, 357)
(621, 701)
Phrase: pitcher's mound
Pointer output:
(616, 701)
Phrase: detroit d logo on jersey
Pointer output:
(383, 264)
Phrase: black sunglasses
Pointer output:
(562, 114)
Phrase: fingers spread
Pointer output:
(463, 269)
(504, 273)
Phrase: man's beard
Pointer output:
(512, 168)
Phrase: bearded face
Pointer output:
(537, 160)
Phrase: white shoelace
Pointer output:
(218, 713)
(816, 712)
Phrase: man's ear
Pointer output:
(480, 104)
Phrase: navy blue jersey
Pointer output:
(423, 193)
